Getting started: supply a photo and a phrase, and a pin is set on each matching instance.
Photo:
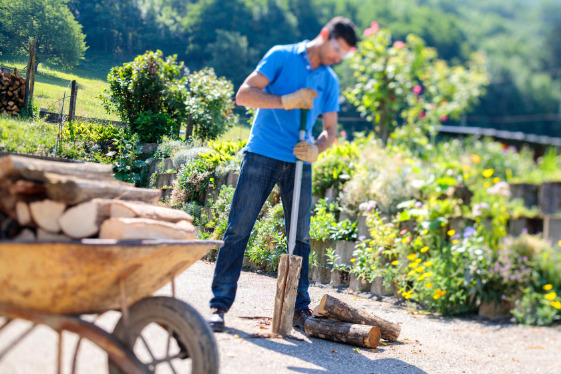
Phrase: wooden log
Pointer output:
(287, 284)
(23, 187)
(25, 235)
(43, 236)
(336, 309)
(45, 214)
(84, 220)
(143, 228)
(23, 214)
(17, 167)
(343, 332)
(132, 209)
(74, 190)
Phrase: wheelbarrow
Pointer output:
(54, 283)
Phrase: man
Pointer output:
(289, 77)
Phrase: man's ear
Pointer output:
(324, 33)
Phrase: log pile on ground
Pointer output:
(337, 321)
(12, 93)
(52, 200)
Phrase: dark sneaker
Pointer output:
(300, 316)
(216, 319)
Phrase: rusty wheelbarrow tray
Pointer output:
(53, 283)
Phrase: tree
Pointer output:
(148, 94)
(209, 105)
(404, 83)
(60, 40)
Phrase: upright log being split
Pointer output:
(287, 284)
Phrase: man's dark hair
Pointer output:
(341, 27)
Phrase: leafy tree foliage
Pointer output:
(149, 95)
(59, 36)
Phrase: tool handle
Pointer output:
(303, 120)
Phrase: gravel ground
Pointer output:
(427, 344)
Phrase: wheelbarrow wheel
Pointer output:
(168, 336)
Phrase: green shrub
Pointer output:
(322, 219)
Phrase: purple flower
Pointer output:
(469, 232)
(362, 237)
(503, 297)
(418, 204)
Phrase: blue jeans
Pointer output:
(258, 176)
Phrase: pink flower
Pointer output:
(422, 115)
(444, 118)
(374, 25)
(343, 133)
(417, 90)
(398, 44)
(369, 31)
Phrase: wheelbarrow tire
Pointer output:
(189, 328)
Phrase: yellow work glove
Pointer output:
(301, 99)
(306, 152)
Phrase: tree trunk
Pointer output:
(343, 332)
(336, 309)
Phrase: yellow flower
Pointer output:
(374, 267)
(413, 265)
(424, 249)
(436, 296)
(475, 158)
(394, 263)
(547, 287)
(428, 263)
(550, 296)
(559, 243)
(429, 285)
(408, 294)
(420, 269)
(418, 260)
(455, 241)
(353, 259)
(443, 292)
(412, 272)
(496, 180)
(556, 304)
(486, 184)
(466, 168)
(411, 257)
(488, 173)
(451, 232)
(428, 274)
(421, 277)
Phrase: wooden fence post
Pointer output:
(73, 94)
(30, 74)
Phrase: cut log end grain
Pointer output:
(83, 220)
(23, 214)
(46, 213)
(145, 229)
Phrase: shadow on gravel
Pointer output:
(331, 357)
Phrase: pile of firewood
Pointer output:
(12, 93)
(335, 320)
(56, 200)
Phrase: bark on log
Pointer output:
(142, 228)
(84, 220)
(29, 168)
(343, 332)
(287, 284)
(73, 190)
(336, 309)
(132, 209)
(46, 213)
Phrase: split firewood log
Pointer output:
(145, 229)
(23, 214)
(132, 209)
(84, 220)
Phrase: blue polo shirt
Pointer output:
(274, 132)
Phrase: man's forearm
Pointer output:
(254, 97)
(326, 138)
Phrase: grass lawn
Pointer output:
(51, 84)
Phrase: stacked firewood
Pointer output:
(12, 93)
(336, 320)
(56, 200)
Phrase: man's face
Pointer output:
(334, 50)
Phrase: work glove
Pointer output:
(301, 99)
(306, 152)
